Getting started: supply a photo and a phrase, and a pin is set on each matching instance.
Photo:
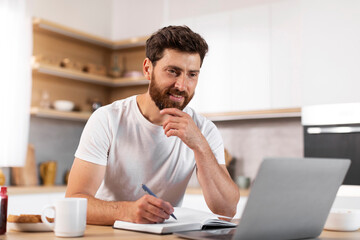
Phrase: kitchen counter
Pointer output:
(62, 188)
(14, 190)
(107, 232)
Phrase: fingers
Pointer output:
(173, 129)
(160, 204)
(174, 125)
(152, 210)
(172, 111)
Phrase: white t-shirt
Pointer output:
(135, 151)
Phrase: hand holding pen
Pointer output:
(147, 209)
(146, 189)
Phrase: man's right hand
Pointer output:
(149, 209)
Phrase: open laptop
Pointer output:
(290, 199)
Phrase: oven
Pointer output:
(333, 131)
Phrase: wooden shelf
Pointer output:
(39, 23)
(259, 114)
(246, 115)
(87, 77)
(51, 113)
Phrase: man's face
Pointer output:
(174, 79)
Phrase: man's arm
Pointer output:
(220, 192)
(84, 181)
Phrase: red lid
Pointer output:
(3, 191)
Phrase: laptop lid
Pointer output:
(291, 198)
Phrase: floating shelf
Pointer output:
(87, 77)
(51, 113)
(258, 114)
(246, 115)
(39, 23)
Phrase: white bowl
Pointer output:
(133, 74)
(341, 219)
(64, 105)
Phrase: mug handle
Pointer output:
(43, 216)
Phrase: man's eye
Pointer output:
(193, 74)
(171, 71)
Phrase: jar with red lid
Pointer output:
(3, 209)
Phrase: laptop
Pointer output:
(289, 199)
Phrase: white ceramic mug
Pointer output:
(70, 217)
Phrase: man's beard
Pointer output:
(162, 98)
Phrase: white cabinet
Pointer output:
(213, 90)
(249, 62)
(236, 72)
(286, 54)
(331, 51)
(279, 54)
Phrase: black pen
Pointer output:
(146, 189)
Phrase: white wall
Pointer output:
(136, 18)
(91, 16)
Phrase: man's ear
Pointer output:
(147, 68)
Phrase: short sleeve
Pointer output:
(213, 136)
(95, 139)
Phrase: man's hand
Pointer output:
(149, 209)
(180, 124)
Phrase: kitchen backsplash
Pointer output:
(55, 140)
(248, 141)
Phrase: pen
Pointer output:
(146, 189)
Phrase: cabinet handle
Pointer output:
(342, 129)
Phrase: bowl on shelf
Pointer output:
(64, 105)
(133, 74)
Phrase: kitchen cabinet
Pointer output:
(72, 65)
(278, 54)
(331, 52)
(237, 68)
(286, 54)
(250, 65)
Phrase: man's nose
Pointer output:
(181, 83)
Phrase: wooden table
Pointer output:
(107, 232)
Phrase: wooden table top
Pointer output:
(107, 232)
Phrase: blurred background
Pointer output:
(267, 60)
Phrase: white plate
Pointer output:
(28, 227)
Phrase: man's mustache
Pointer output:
(178, 92)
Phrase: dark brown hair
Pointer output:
(180, 38)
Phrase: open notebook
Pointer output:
(188, 220)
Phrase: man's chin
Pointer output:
(173, 104)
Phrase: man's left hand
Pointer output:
(180, 124)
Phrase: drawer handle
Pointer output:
(342, 129)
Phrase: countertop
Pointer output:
(345, 190)
(107, 232)
(13, 190)
(18, 190)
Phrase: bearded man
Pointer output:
(153, 139)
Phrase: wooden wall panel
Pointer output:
(67, 89)
(131, 59)
(56, 46)
(124, 92)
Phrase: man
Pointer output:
(153, 139)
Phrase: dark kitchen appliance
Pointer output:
(333, 131)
